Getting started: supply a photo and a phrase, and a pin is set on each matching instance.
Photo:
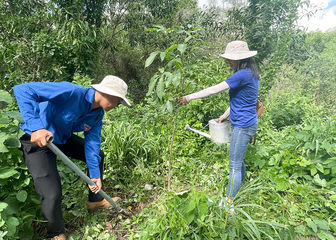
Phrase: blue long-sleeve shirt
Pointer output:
(62, 108)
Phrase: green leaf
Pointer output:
(319, 167)
(331, 162)
(322, 224)
(333, 226)
(312, 225)
(169, 78)
(160, 89)
(189, 217)
(3, 205)
(182, 48)
(151, 58)
(188, 38)
(162, 56)
(282, 185)
(15, 115)
(172, 47)
(169, 106)
(177, 62)
(12, 223)
(323, 235)
(12, 142)
(203, 210)
(151, 29)
(152, 83)
(7, 172)
(333, 197)
(190, 206)
(176, 79)
(21, 196)
(26, 181)
(313, 171)
(301, 229)
(321, 182)
(3, 138)
(5, 97)
(5, 120)
(2, 222)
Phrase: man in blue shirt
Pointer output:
(59, 109)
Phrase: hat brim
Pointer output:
(99, 88)
(239, 56)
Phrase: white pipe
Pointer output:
(188, 128)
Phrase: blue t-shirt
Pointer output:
(62, 108)
(243, 98)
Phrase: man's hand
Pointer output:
(39, 137)
(182, 100)
(96, 189)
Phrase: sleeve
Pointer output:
(236, 80)
(92, 149)
(208, 91)
(29, 95)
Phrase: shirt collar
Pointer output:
(90, 95)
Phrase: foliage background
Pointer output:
(289, 192)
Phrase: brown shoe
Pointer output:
(94, 206)
(59, 237)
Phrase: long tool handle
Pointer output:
(188, 128)
(79, 172)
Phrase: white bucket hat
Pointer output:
(238, 50)
(114, 86)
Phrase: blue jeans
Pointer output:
(240, 139)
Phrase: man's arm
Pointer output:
(29, 95)
(92, 149)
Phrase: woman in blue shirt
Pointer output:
(243, 87)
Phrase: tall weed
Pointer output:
(195, 215)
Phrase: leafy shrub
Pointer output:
(288, 109)
(299, 161)
(18, 201)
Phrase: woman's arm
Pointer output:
(208, 91)
(224, 116)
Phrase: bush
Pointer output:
(288, 110)
(18, 200)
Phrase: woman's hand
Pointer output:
(39, 137)
(95, 189)
(182, 100)
(225, 116)
(222, 119)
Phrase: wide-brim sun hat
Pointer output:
(238, 50)
(114, 86)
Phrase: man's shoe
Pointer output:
(94, 206)
(59, 237)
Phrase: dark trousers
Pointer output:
(41, 163)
